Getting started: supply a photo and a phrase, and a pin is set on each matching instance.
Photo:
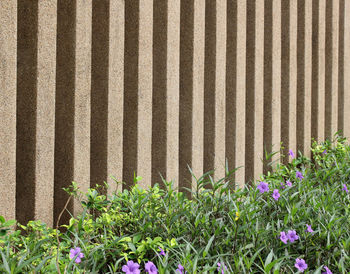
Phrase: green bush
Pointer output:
(242, 230)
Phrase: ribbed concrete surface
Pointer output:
(319, 66)
(276, 102)
(293, 76)
(8, 70)
(95, 91)
(258, 91)
(240, 126)
(45, 107)
(172, 107)
(82, 95)
(346, 69)
(115, 95)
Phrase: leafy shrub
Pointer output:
(294, 218)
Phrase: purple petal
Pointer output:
(291, 154)
(78, 260)
(161, 252)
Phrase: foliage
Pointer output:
(240, 229)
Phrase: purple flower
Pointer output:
(222, 269)
(291, 154)
(151, 268)
(300, 265)
(181, 269)
(275, 194)
(292, 235)
(328, 271)
(345, 188)
(161, 251)
(75, 252)
(283, 237)
(131, 268)
(325, 151)
(282, 185)
(289, 183)
(309, 229)
(299, 175)
(263, 187)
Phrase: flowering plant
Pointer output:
(302, 224)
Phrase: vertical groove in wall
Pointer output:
(220, 75)
(130, 119)
(259, 88)
(27, 49)
(115, 95)
(241, 93)
(99, 92)
(64, 111)
(144, 126)
(307, 76)
(159, 96)
(8, 70)
(197, 64)
(250, 90)
(293, 80)
(315, 79)
(300, 75)
(341, 61)
(328, 71)
(231, 60)
(173, 86)
(209, 86)
(335, 48)
(82, 94)
(321, 70)
(45, 131)
(285, 73)
(186, 92)
(268, 81)
(276, 81)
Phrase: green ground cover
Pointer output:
(294, 219)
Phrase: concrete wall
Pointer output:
(90, 89)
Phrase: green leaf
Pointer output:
(205, 252)
(136, 238)
(6, 265)
(21, 266)
(173, 242)
(3, 232)
(269, 259)
(132, 247)
(9, 223)
(270, 266)
(248, 246)
(157, 239)
(140, 248)
(254, 256)
(125, 239)
(138, 178)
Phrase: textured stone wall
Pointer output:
(92, 89)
